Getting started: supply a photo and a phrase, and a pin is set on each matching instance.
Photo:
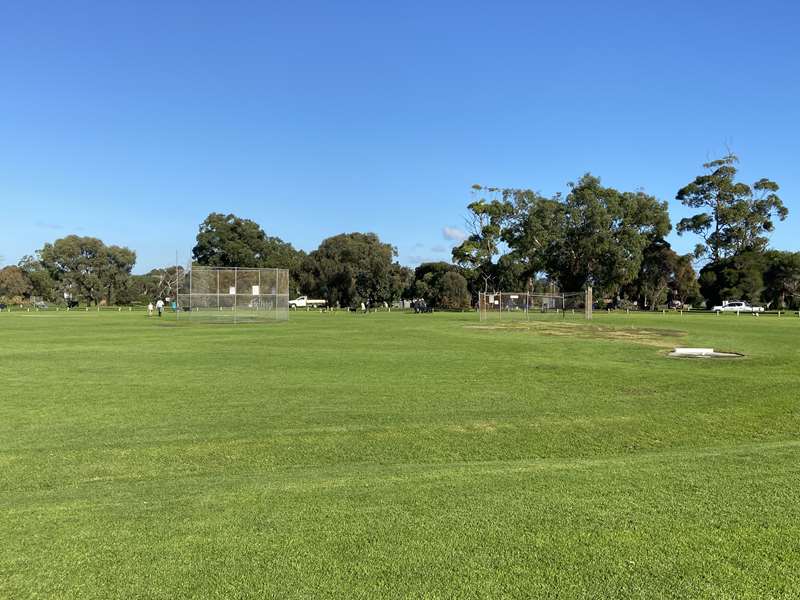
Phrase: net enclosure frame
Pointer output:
(233, 294)
(499, 305)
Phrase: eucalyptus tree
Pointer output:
(351, 268)
(86, 268)
(486, 222)
(231, 241)
(595, 235)
(735, 216)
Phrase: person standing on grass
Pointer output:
(150, 310)
(160, 306)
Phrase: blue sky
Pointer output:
(132, 121)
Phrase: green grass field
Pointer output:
(397, 455)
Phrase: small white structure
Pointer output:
(693, 352)
(701, 353)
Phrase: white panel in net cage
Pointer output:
(234, 295)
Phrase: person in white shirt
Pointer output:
(160, 306)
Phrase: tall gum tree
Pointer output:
(485, 223)
(596, 235)
(736, 216)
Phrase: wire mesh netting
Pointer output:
(234, 295)
(525, 306)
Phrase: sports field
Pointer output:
(397, 455)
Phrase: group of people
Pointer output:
(369, 306)
(420, 306)
(159, 307)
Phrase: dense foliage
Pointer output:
(14, 285)
(615, 242)
(80, 268)
(353, 268)
(595, 235)
(441, 284)
(735, 216)
(230, 241)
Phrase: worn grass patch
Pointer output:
(658, 337)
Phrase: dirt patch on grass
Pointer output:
(658, 338)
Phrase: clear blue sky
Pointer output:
(132, 121)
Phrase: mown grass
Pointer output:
(396, 455)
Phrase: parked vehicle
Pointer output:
(737, 306)
(2, 306)
(306, 302)
(40, 305)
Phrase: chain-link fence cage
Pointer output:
(233, 295)
(578, 304)
(524, 306)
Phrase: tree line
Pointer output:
(346, 269)
(615, 242)
(518, 240)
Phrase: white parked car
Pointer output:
(737, 306)
(306, 302)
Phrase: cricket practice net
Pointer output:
(232, 294)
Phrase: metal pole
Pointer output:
(235, 291)
(589, 302)
(177, 289)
